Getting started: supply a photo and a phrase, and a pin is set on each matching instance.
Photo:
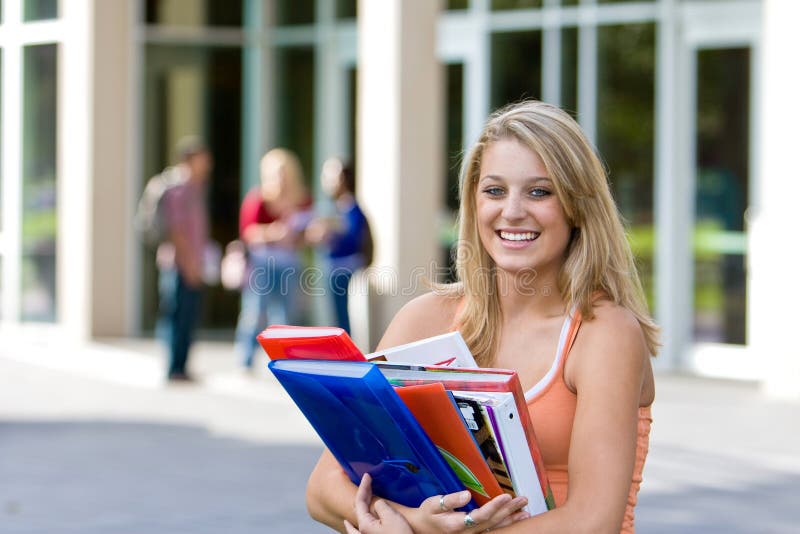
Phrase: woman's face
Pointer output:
(331, 178)
(273, 181)
(521, 222)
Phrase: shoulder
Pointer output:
(252, 198)
(610, 344)
(428, 315)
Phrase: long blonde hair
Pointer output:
(282, 173)
(598, 257)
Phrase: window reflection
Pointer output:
(498, 5)
(39, 10)
(569, 70)
(516, 67)
(195, 90)
(625, 130)
(194, 12)
(453, 5)
(294, 103)
(721, 195)
(39, 221)
(346, 9)
(291, 12)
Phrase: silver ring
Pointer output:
(468, 521)
(441, 503)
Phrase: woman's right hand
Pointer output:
(385, 520)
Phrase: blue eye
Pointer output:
(493, 191)
(539, 192)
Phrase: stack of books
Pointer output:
(422, 419)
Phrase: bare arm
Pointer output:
(607, 369)
(263, 233)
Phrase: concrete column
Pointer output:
(109, 145)
(774, 290)
(400, 142)
(75, 168)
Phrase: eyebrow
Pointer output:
(531, 179)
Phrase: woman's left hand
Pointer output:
(386, 519)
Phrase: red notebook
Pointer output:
(438, 414)
(282, 342)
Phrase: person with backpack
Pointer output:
(346, 236)
(182, 215)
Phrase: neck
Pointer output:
(538, 297)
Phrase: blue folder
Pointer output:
(368, 429)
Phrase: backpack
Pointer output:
(149, 220)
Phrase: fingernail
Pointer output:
(464, 495)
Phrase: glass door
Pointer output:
(722, 140)
(195, 90)
(718, 65)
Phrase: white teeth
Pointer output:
(521, 236)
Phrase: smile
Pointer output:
(518, 236)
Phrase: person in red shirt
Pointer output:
(272, 219)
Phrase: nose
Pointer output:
(513, 208)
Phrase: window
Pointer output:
(293, 12)
(195, 90)
(39, 10)
(625, 130)
(39, 191)
(721, 195)
(194, 12)
(516, 67)
(294, 104)
(499, 5)
(346, 9)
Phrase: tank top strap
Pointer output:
(574, 326)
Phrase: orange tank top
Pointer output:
(551, 406)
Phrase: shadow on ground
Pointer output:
(109, 477)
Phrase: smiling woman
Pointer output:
(521, 222)
(542, 256)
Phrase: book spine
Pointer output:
(518, 456)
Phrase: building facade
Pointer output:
(687, 101)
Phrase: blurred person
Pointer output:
(346, 235)
(272, 219)
(181, 257)
(547, 287)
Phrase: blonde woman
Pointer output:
(547, 287)
(271, 223)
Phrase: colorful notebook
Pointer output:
(368, 428)
(482, 381)
(437, 413)
(449, 350)
(308, 343)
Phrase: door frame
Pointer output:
(708, 26)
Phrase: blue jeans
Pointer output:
(338, 281)
(269, 296)
(179, 308)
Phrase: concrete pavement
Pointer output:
(92, 441)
